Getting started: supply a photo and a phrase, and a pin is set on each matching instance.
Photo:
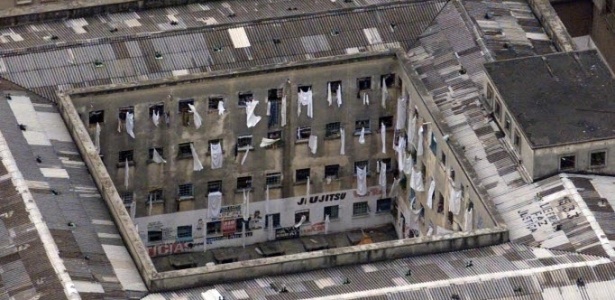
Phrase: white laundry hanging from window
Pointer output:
(97, 138)
(382, 178)
(416, 181)
(313, 143)
(307, 188)
(429, 231)
(338, 95)
(268, 108)
(126, 173)
(198, 121)
(214, 203)
(196, 162)
(216, 155)
(401, 153)
(419, 147)
(394, 188)
(402, 111)
(411, 131)
(303, 218)
(305, 99)
(362, 136)
(221, 108)
(383, 137)
(454, 205)
(365, 98)
(251, 118)
(245, 156)
(150, 204)
(408, 164)
(430, 192)
(468, 222)
(130, 124)
(157, 158)
(361, 181)
(329, 94)
(385, 93)
(283, 113)
(265, 142)
(342, 141)
(155, 117)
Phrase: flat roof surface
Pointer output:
(559, 98)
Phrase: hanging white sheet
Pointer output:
(216, 155)
(329, 94)
(411, 131)
(454, 205)
(342, 141)
(214, 203)
(419, 148)
(150, 204)
(130, 124)
(401, 154)
(467, 226)
(394, 188)
(268, 108)
(385, 93)
(429, 231)
(221, 108)
(430, 192)
(402, 112)
(338, 95)
(408, 164)
(196, 162)
(382, 178)
(383, 137)
(251, 118)
(119, 125)
(283, 113)
(305, 99)
(156, 118)
(97, 138)
(307, 188)
(416, 181)
(157, 158)
(365, 98)
(265, 142)
(313, 143)
(361, 181)
(362, 136)
(198, 121)
(126, 173)
(245, 156)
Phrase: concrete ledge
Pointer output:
(552, 24)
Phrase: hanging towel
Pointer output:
(245, 156)
(214, 203)
(198, 121)
(402, 111)
(251, 118)
(411, 131)
(454, 205)
(329, 94)
(365, 98)
(265, 142)
(283, 121)
(430, 192)
(268, 108)
(338, 95)
(126, 173)
(394, 188)
(342, 141)
(408, 164)
(305, 99)
(468, 220)
(429, 231)
(216, 156)
(196, 162)
(383, 137)
(385, 93)
(97, 138)
(382, 178)
(419, 148)
(156, 118)
(130, 124)
(361, 181)
(313, 143)
(157, 158)
(362, 136)
(401, 154)
(221, 108)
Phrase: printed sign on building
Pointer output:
(286, 233)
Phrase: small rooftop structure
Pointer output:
(557, 99)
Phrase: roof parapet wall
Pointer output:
(553, 25)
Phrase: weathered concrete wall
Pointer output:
(547, 160)
(604, 36)
(552, 24)
(326, 259)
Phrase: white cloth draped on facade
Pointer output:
(307, 188)
(408, 164)
(119, 124)
(155, 117)
(97, 138)
(221, 108)
(442, 231)
(313, 143)
(130, 124)
(416, 181)
(268, 108)
(468, 220)
(198, 121)
(429, 231)
(401, 153)
(382, 178)
(430, 192)
(329, 94)
(265, 142)
(362, 136)
(419, 147)
(361, 181)
(245, 156)
(150, 205)
(402, 107)
(411, 131)
(383, 137)
(283, 112)
(157, 158)
(126, 173)
(305, 99)
(342, 141)
(214, 203)
(365, 98)
(196, 162)
(338, 95)
(216, 155)
(385, 93)
(251, 118)
(454, 205)
(394, 192)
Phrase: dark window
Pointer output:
(517, 139)
(434, 144)
(360, 208)
(507, 123)
(389, 79)
(244, 97)
(184, 150)
(97, 116)
(159, 108)
(127, 198)
(155, 196)
(443, 158)
(440, 203)
(213, 103)
(598, 159)
(273, 179)
(567, 162)
(332, 129)
(125, 155)
(303, 133)
(301, 213)
(452, 175)
(214, 186)
(244, 182)
(151, 153)
(451, 217)
(361, 164)
(360, 124)
(185, 190)
(274, 134)
(183, 105)
(124, 110)
(184, 233)
(332, 171)
(302, 175)
(214, 227)
(304, 88)
(239, 225)
(332, 211)
(364, 83)
(154, 236)
(334, 86)
(275, 107)
(387, 121)
(383, 205)
(387, 163)
(275, 94)
(497, 108)
(244, 142)
(275, 218)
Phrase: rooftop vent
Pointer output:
(232, 15)
(71, 224)
(158, 55)
(217, 49)
(173, 23)
(54, 37)
(409, 273)
(463, 71)
(347, 280)
(98, 64)
(335, 32)
(277, 41)
(114, 29)
(518, 289)
(22, 127)
(393, 26)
